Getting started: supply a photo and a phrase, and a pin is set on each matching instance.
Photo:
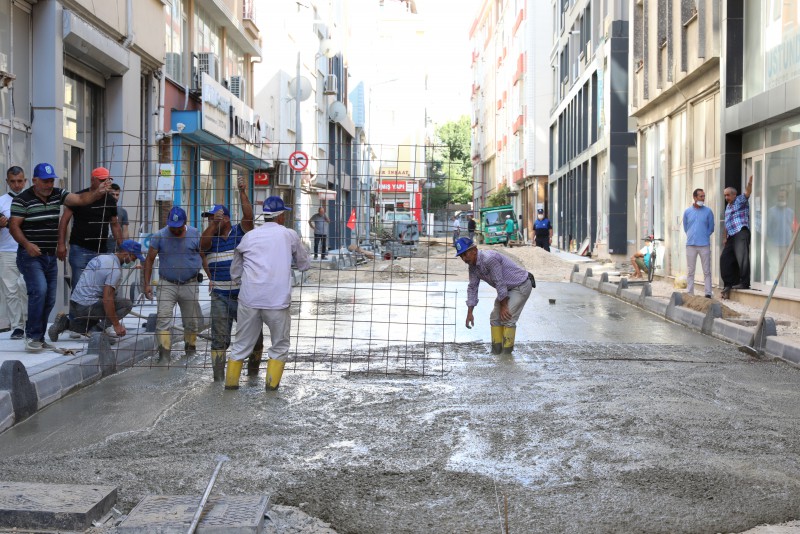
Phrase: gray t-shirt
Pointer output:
(122, 218)
(320, 224)
(103, 270)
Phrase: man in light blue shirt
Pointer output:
(698, 223)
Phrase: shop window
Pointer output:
(783, 132)
(206, 33)
(174, 40)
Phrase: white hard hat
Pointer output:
(508, 216)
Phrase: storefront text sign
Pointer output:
(392, 186)
(228, 118)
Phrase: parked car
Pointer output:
(402, 226)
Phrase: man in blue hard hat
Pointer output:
(266, 291)
(177, 246)
(513, 285)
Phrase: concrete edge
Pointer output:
(710, 323)
(48, 383)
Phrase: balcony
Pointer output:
(249, 17)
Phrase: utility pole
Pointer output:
(297, 146)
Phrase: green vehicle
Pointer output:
(493, 224)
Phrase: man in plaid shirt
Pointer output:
(513, 285)
(734, 262)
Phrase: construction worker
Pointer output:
(218, 241)
(509, 228)
(543, 230)
(263, 262)
(178, 248)
(513, 285)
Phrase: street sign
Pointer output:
(298, 160)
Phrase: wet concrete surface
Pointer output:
(606, 419)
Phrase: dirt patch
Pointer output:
(702, 304)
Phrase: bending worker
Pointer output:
(513, 285)
(266, 291)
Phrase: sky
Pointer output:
(450, 77)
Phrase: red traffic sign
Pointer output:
(298, 160)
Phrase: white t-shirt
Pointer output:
(456, 224)
(263, 261)
(7, 243)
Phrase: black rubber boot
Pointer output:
(190, 350)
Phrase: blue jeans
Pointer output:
(79, 258)
(224, 310)
(41, 278)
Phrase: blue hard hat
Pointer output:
(274, 205)
(176, 218)
(463, 244)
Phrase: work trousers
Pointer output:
(692, 252)
(517, 297)
(734, 262)
(456, 233)
(320, 243)
(13, 294)
(83, 318)
(224, 311)
(250, 326)
(543, 242)
(187, 297)
(41, 282)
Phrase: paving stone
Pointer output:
(90, 369)
(71, 375)
(14, 379)
(6, 410)
(53, 506)
(48, 387)
(168, 514)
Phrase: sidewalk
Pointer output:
(30, 381)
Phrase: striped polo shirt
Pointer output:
(219, 257)
(41, 218)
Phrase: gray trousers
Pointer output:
(250, 325)
(187, 297)
(691, 263)
(82, 317)
(517, 297)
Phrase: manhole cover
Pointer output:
(232, 514)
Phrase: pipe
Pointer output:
(196, 519)
(129, 36)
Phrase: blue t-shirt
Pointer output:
(220, 256)
(178, 257)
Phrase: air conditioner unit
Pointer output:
(284, 175)
(208, 63)
(331, 85)
(173, 65)
(237, 87)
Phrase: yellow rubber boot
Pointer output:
(164, 345)
(509, 333)
(274, 373)
(232, 374)
(497, 339)
(190, 344)
(218, 365)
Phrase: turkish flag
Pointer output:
(351, 222)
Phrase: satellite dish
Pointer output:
(337, 111)
(327, 48)
(305, 89)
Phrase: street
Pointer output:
(605, 419)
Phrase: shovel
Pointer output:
(751, 349)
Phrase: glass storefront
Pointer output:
(772, 44)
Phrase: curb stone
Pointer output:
(710, 323)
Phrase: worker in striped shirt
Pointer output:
(513, 285)
(218, 241)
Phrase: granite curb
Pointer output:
(710, 323)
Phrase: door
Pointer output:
(760, 256)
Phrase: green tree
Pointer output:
(450, 168)
(499, 197)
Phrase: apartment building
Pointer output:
(209, 133)
(511, 99)
(79, 89)
(760, 97)
(675, 98)
(592, 139)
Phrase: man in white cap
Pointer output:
(266, 291)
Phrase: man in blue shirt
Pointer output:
(698, 223)
(734, 262)
(178, 248)
(218, 242)
(543, 230)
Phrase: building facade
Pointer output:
(592, 140)
(80, 90)
(675, 98)
(511, 101)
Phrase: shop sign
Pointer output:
(393, 186)
(393, 172)
(783, 59)
(228, 118)
(165, 188)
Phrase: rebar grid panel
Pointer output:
(383, 302)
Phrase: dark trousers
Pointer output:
(543, 242)
(734, 262)
(83, 318)
(320, 242)
(41, 279)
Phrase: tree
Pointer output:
(450, 168)
(499, 197)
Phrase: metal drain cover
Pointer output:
(167, 514)
(53, 506)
